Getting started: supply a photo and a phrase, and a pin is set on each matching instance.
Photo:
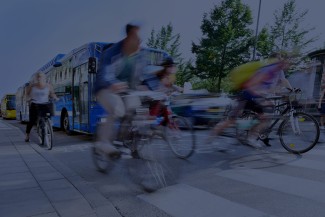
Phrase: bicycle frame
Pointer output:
(45, 131)
(289, 109)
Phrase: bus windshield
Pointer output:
(11, 102)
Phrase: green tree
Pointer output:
(264, 42)
(286, 32)
(165, 39)
(225, 43)
(184, 72)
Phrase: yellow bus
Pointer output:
(8, 106)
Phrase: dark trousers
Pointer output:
(36, 110)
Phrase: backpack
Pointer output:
(241, 74)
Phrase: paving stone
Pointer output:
(73, 208)
(108, 210)
(64, 170)
(33, 164)
(52, 214)
(55, 184)
(62, 194)
(26, 208)
(48, 176)
(12, 164)
(43, 169)
(21, 195)
(17, 181)
(10, 170)
(96, 199)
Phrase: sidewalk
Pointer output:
(33, 183)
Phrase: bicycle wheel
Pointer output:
(40, 132)
(47, 136)
(149, 171)
(300, 133)
(180, 137)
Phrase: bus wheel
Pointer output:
(66, 124)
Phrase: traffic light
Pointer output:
(92, 65)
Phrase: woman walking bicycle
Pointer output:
(38, 93)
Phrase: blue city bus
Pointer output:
(73, 78)
(22, 107)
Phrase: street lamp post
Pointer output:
(256, 33)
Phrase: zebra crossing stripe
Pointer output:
(308, 164)
(290, 185)
(185, 201)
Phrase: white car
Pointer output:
(204, 109)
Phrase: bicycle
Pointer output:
(136, 132)
(294, 121)
(44, 126)
(176, 130)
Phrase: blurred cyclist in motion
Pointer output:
(163, 77)
(260, 81)
(120, 70)
(162, 81)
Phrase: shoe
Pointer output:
(108, 148)
(266, 142)
(135, 154)
(27, 139)
(254, 143)
(322, 127)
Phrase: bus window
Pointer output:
(11, 102)
(8, 106)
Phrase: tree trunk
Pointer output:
(219, 84)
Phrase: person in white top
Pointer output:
(38, 93)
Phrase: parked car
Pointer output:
(203, 109)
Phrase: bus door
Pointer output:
(80, 99)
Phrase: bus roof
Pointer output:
(8, 95)
(52, 62)
(81, 54)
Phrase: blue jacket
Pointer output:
(114, 68)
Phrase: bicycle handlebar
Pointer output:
(145, 93)
(294, 90)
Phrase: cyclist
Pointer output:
(257, 86)
(38, 93)
(121, 69)
(162, 81)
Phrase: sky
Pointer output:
(34, 31)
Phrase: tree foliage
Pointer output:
(165, 39)
(287, 34)
(264, 42)
(226, 41)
